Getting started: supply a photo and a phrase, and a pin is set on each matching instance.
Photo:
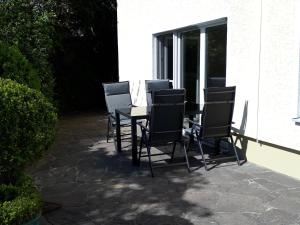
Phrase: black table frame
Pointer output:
(134, 152)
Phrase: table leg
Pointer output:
(118, 132)
(191, 117)
(135, 161)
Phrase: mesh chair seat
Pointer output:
(216, 119)
(164, 127)
(155, 85)
(125, 122)
(117, 95)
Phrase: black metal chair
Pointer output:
(165, 124)
(216, 119)
(117, 95)
(155, 85)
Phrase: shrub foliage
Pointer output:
(27, 126)
(20, 203)
(15, 66)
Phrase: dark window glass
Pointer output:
(216, 56)
(190, 64)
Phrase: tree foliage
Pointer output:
(71, 42)
(29, 25)
(87, 54)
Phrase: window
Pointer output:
(194, 57)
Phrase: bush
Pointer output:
(27, 127)
(15, 66)
(20, 203)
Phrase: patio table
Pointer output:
(135, 113)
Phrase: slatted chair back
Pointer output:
(217, 114)
(155, 85)
(167, 114)
(117, 95)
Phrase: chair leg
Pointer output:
(173, 151)
(188, 147)
(186, 157)
(108, 129)
(236, 155)
(114, 135)
(149, 157)
(201, 151)
(141, 147)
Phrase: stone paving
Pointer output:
(95, 185)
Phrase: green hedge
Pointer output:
(27, 127)
(15, 66)
(19, 203)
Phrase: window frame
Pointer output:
(177, 52)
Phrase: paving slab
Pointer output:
(96, 185)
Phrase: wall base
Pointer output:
(276, 158)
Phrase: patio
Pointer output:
(95, 185)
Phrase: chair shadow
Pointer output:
(226, 155)
(239, 133)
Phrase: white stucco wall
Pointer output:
(262, 56)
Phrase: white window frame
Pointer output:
(298, 114)
(297, 119)
(177, 53)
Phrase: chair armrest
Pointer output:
(192, 121)
(111, 115)
(196, 123)
(143, 127)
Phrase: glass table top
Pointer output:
(136, 111)
(141, 112)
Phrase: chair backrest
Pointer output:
(217, 113)
(117, 95)
(167, 114)
(213, 81)
(155, 85)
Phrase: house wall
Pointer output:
(262, 56)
